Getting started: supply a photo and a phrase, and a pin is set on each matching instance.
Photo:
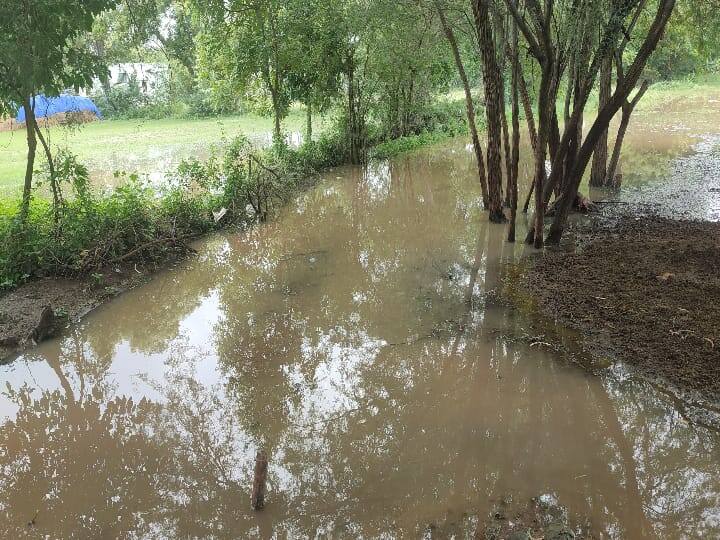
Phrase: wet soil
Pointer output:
(644, 292)
(70, 300)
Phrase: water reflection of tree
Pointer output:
(78, 468)
(677, 463)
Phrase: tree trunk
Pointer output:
(492, 81)
(507, 153)
(275, 98)
(515, 118)
(309, 125)
(554, 137)
(277, 135)
(627, 110)
(527, 107)
(499, 24)
(469, 105)
(259, 481)
(611, 180)
(352, 121)
(546, 105)
(530, 194)
(599, 176)
(32, 147)
(554, 134)
(57, 196)
(572, 152)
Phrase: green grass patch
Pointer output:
(690, 90)
(236, 184)
(447, 118)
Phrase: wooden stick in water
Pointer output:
(258, 491)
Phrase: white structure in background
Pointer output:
(149, 77)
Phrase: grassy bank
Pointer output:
(237, 184)
(146, 146)
(688, 90)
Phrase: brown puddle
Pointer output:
(361, 339)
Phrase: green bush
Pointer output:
(122, 101)
(406, 144)
(171, 99)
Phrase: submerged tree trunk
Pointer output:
(599, 176)
(28, 103)
(546, 106)
(469, 105)
(619, 97)
(529, 116)
(613, 179)
(492, 80)
(500, 29)
(257, 499)
(507, 153)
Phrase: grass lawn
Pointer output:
(140, 145)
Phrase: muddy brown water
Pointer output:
(362, 339)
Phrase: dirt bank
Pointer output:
(21, 310)
(645, 292)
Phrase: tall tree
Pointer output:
(469, 103)
(619, 97)
(568, 37)
(250, 43)
(547, 51)
(600, 157)
(515, 118)
(492, 80)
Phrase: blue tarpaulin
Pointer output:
(65, 103)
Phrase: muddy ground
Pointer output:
(21, 309)
(642, 291)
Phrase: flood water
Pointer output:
(363, 339)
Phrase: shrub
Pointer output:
(120, 101)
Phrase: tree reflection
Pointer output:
(74, 468)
